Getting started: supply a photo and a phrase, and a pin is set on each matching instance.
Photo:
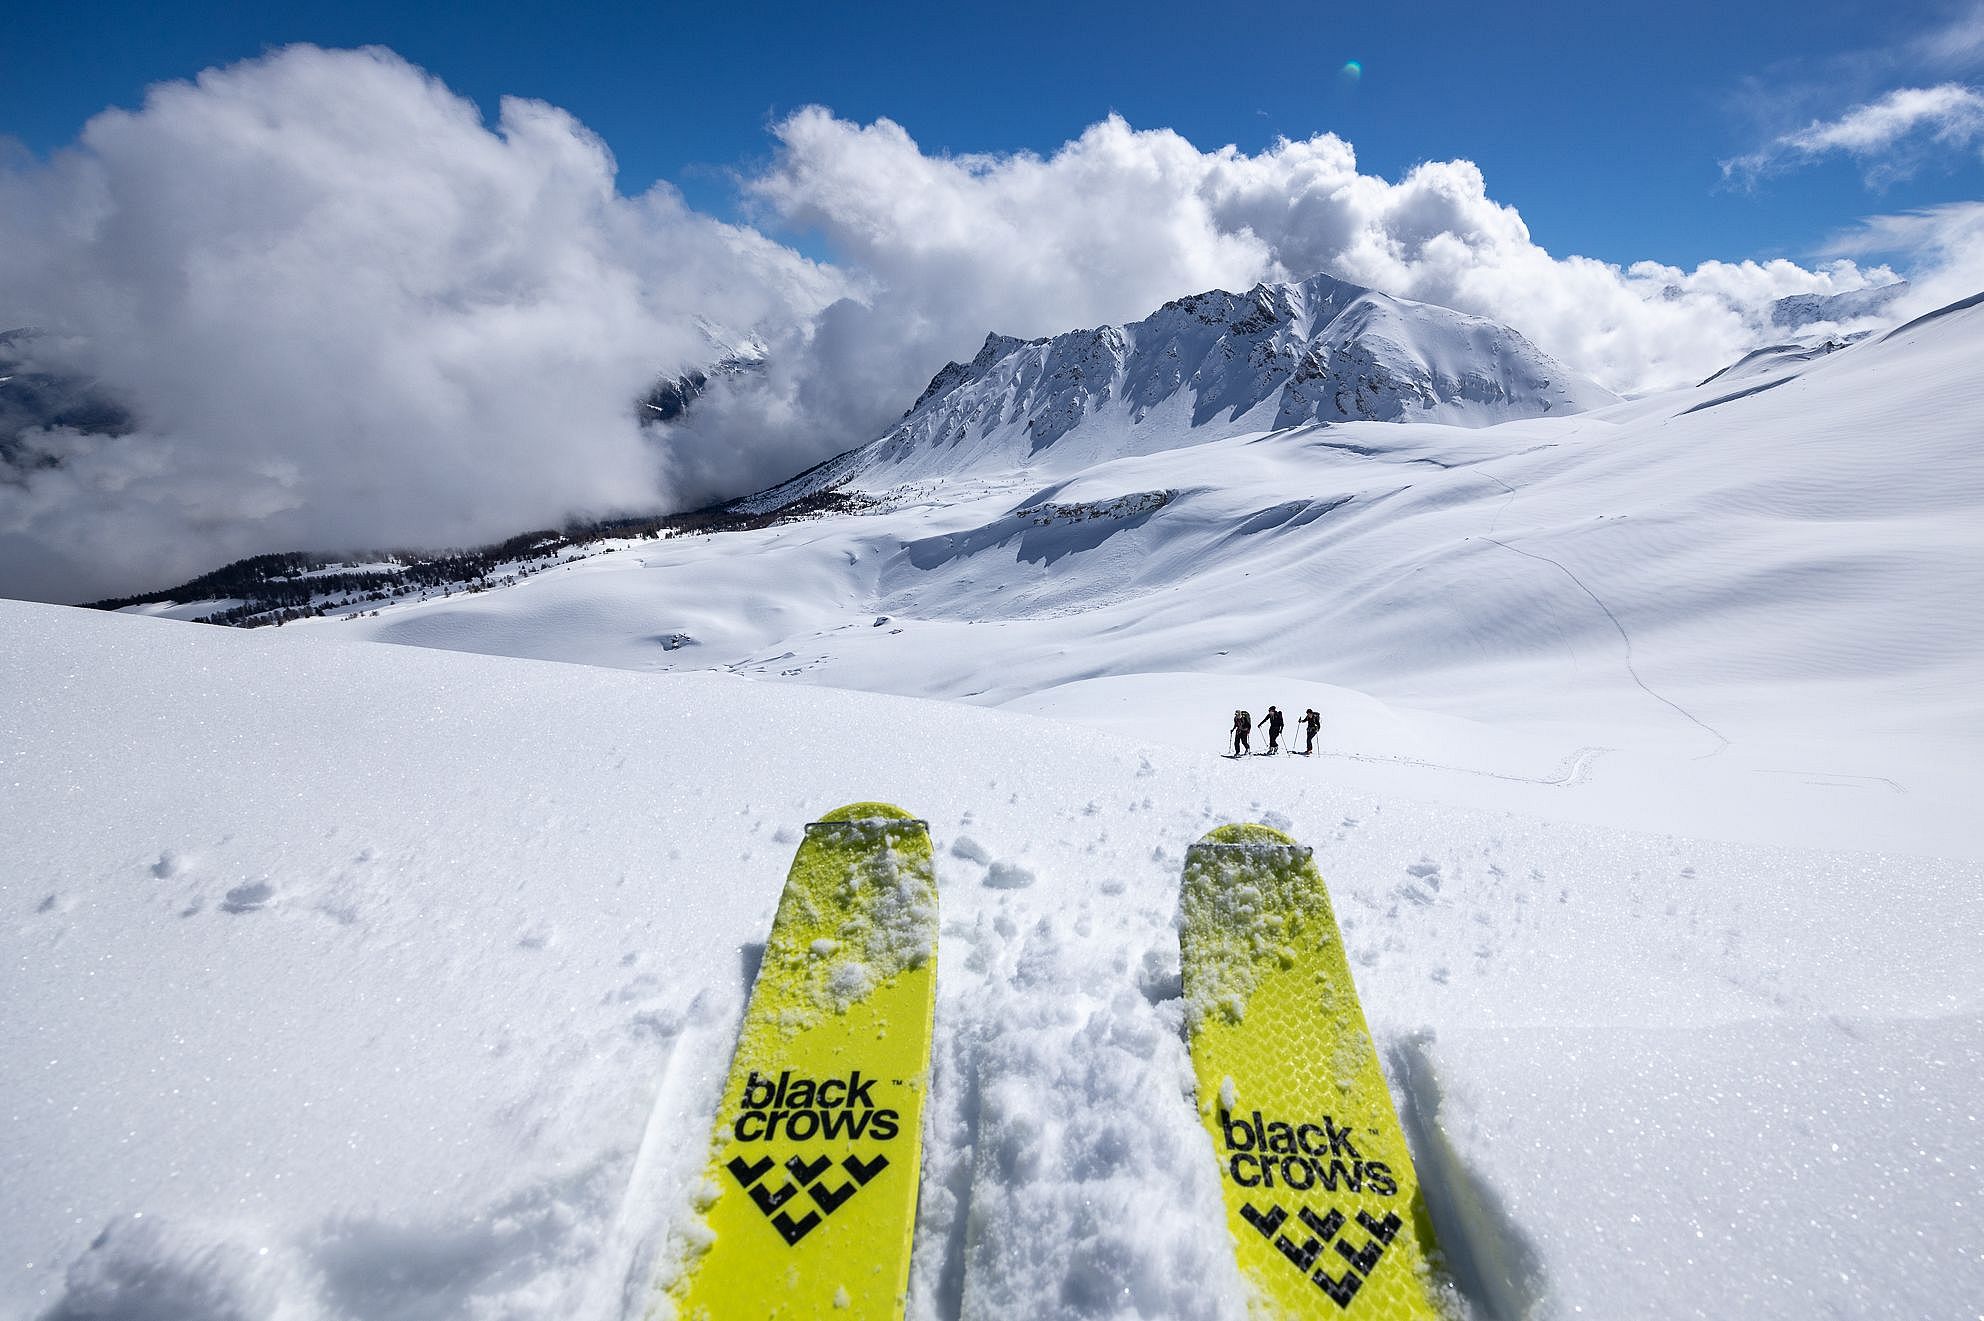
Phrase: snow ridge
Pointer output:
(1280, 355)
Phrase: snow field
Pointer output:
(1754, 620)
(381, 982)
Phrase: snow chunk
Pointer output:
(1003, 875)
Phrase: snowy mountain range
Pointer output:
(1281, 355)
(1277, 356)
(1796, 311)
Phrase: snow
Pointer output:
(328, 1003)
(348, 980)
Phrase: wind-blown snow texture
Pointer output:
(349, 981)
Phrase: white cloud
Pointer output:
(348, 312)
(1945, 243)
(1119, 220)
(1957, 43)
(1888, 135)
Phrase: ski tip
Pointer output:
(866, 812)
(1248, 835)
(862, 814)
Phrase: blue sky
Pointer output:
(1603, 124)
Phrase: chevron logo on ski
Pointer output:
(1324, 1229)
(1321, 1197)
(805, 1174)
(815, 1154)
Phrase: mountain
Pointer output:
(1776, 358)
(33, 397)
(1800, 310)
(731, 356)
(1280, 355)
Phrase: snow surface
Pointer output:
(389, 982)
(354, 981)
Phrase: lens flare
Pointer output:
(1353, 69)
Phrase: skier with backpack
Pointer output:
(1273, 721)
(1243, 730)
(1311, 722)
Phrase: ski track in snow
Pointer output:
(1721, 739)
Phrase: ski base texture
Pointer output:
(1321, 1197)
(813, 1177)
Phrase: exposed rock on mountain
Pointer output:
(1277, 356)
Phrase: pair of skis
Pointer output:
(811, 1191)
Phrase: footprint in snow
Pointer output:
(249, 898)
(1426, 870)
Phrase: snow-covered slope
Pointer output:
(368, 982)
(1780, 360)
(1746, 598)
(1280, 355)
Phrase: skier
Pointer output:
(1274, 722)
(1311, 722)
(1243, 726)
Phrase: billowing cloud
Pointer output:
(1944, 244)
(346, 312)
(1888, 135)
(1120, 220)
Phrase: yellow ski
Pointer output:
(1321, 1198)
(813, 1175)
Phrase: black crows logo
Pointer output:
(1324, 1229)
(805, 1174)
